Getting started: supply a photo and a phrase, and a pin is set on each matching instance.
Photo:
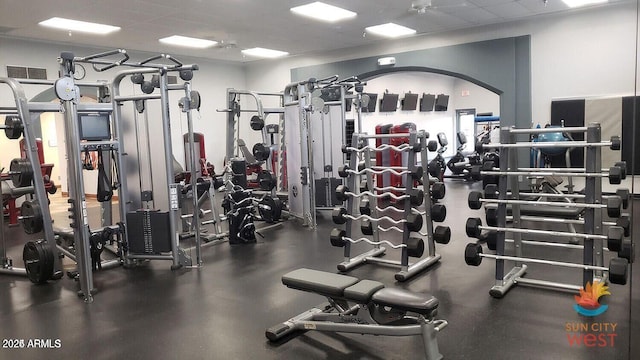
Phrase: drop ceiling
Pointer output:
(241, 24)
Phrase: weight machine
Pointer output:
(314, 121)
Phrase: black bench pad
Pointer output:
(362, 291)
(544, 211)
(318, 281)
(419, 303)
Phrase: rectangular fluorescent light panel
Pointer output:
(578, 3)
(390, 30)
(264, 53)
(186, 41)
(324, 12)
(80, 26)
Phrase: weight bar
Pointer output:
(31, 217)
(620, 164)
(614, 144)
(261, 152)
(613, 204)
(340, 216)
(617, 266)
(20, 172)
(492, 245)
(12, 127)
(399, 148)
(345, 170)
(491, 192)
(416, 196)
(438, 190)
(615, 234)
(38, 261)
(266, 180)
(614, 174)
(256, 123)
(415, 246)
(491, 215)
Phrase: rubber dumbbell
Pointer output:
(414, 222)
(417, 173)
(366, 227)
(491, 191)
(474, 200)
(623, 168)
(442, 234)
(627, 250)
(415, 247)
(364, 186)
(341, 192)
(337, 237)
(625, 223)
(338, 215)
(615, 175)
(438, 190)
(343, 171)
(472, 227)
(365, 206)
(416, 197)
(438, 212)
(624, 196)
(472, 254)
(616, 143)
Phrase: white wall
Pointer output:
(590, 52)
(212, 80)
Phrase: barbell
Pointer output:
(415, 246)
(615, 234)
(613, 203)
(416, 196)
(414, 221)
(617, 266)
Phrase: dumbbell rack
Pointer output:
(410, 246)
(592, 248)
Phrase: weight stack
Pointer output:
(148, 231)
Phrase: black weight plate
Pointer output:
(32, 221)
(38, 261)
(273, 213)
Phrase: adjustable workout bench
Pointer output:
(376, 310)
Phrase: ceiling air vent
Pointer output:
(22, 72)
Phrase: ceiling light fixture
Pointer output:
(79, 26)
(324, 12)
(390, 30)
(185, 41)
(578, 3)
(264, 53)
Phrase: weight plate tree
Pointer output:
(26, 176)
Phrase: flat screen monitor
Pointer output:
(410, 101)
(389, 103)
(373, 100)
(442, 102)
(95, 127)
(427, 102)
